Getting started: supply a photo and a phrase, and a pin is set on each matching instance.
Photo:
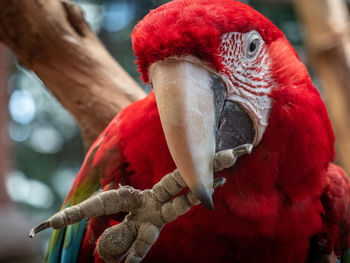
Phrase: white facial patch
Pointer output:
(247, 76)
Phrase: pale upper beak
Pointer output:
(189, 108)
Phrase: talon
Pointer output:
(39, 228)
(219, 181)
(242, 150)
(226, 158)
(124, 199)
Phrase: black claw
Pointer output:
(39, 228)
(242, 150)
(219, 182)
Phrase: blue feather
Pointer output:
(72, 241)
(54, 257)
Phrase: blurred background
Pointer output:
(41, 149)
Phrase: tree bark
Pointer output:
(52, 39)
(328, 41)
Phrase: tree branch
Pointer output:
(53, 39)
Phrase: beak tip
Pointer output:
(207, 200)
(210, 206)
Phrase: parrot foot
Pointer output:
(149, 210)
(140, 229)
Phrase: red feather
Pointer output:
(194, 27)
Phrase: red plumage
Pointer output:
(280, 202)
(270, 207)
(194, 27)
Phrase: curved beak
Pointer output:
(186, 104)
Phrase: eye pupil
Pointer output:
(253, 45)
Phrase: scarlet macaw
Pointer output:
(222, 75)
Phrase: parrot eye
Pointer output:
(253, 44)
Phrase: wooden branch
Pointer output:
(53, 39)
(328, 41)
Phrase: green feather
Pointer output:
(345, 256)
(63, 239)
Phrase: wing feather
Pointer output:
(99, 167)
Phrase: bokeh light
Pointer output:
(22, 107)
(117, 15)
(31, 192)
(19, 132)
(46, 140)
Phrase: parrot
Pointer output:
(222, 75)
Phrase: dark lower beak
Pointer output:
(197, 121)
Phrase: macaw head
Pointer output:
(223, 75)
